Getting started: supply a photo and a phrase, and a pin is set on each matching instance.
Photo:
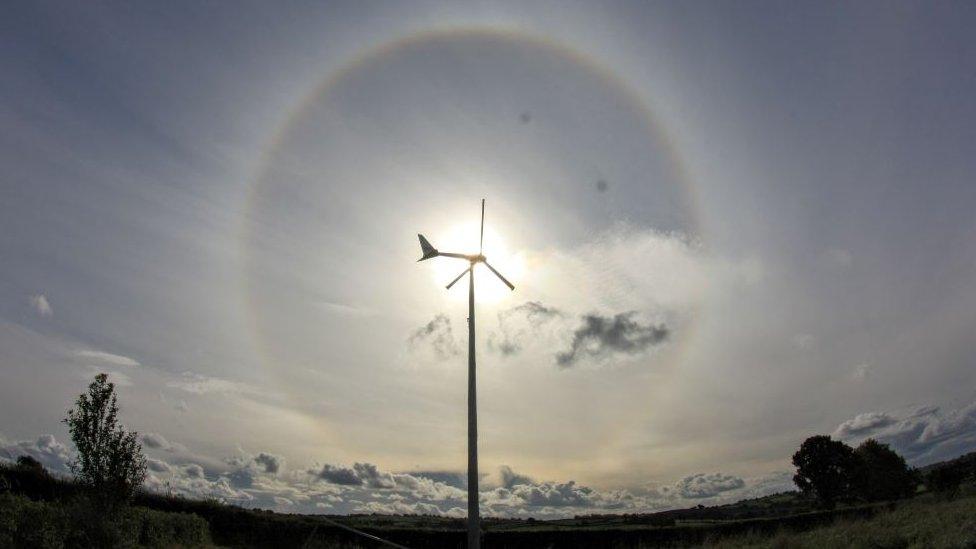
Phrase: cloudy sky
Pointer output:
(730, 226)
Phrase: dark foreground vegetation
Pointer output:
(849, 497)
(42, 510)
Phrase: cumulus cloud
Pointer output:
(270, 462)
(599, 336)
(46, 449)
(702, 485)
(339, 475)
(158, 466)
(155, 440)
(510, 478)
(193, 470)
(923, 434)
(191, 481)
(863, 424)
(260, 481)
(361, 474)
(438, 335)
(40, 305)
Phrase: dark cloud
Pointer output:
(554, 494)
(270, 462)
(702, 485)
(602, 335)
(241, 478)
(510, 478)
(361, 474)
(339, 475)
(533, 311)
(372, 477)
(922, 435)
(438, 334)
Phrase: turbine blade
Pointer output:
(499, 275)
(453, 282)
(425, 247)
(481, 242)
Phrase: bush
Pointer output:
(26, 523)
(945, 480)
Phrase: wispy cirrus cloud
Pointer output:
(438, 336)
(102, 357)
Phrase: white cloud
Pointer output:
(46, 449)
(120, 379)
(106, 358)
(41, 305)
(804, 341)
(155, 440)
(924, 434)
(702, 485)
(862, 371)
(201, 384)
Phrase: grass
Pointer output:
(924, 522)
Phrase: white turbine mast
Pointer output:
(474, 513)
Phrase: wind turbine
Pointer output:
(474, 520)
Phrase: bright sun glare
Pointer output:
(464, 239)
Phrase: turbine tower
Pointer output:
(474, 520)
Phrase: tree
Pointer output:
(828, 469)
(886, 476)
(110, 461)
(945, 480)
(29, 463)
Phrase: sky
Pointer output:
(730, 226)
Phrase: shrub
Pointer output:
(26, 523)
(945, 480)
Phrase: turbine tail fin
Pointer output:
(425, 247)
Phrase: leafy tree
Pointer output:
(886, 476)
(110, 461)
(828, 469)
(945, 480)
(28, 463)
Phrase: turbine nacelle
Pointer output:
(428, 251)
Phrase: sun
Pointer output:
(463, 238)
